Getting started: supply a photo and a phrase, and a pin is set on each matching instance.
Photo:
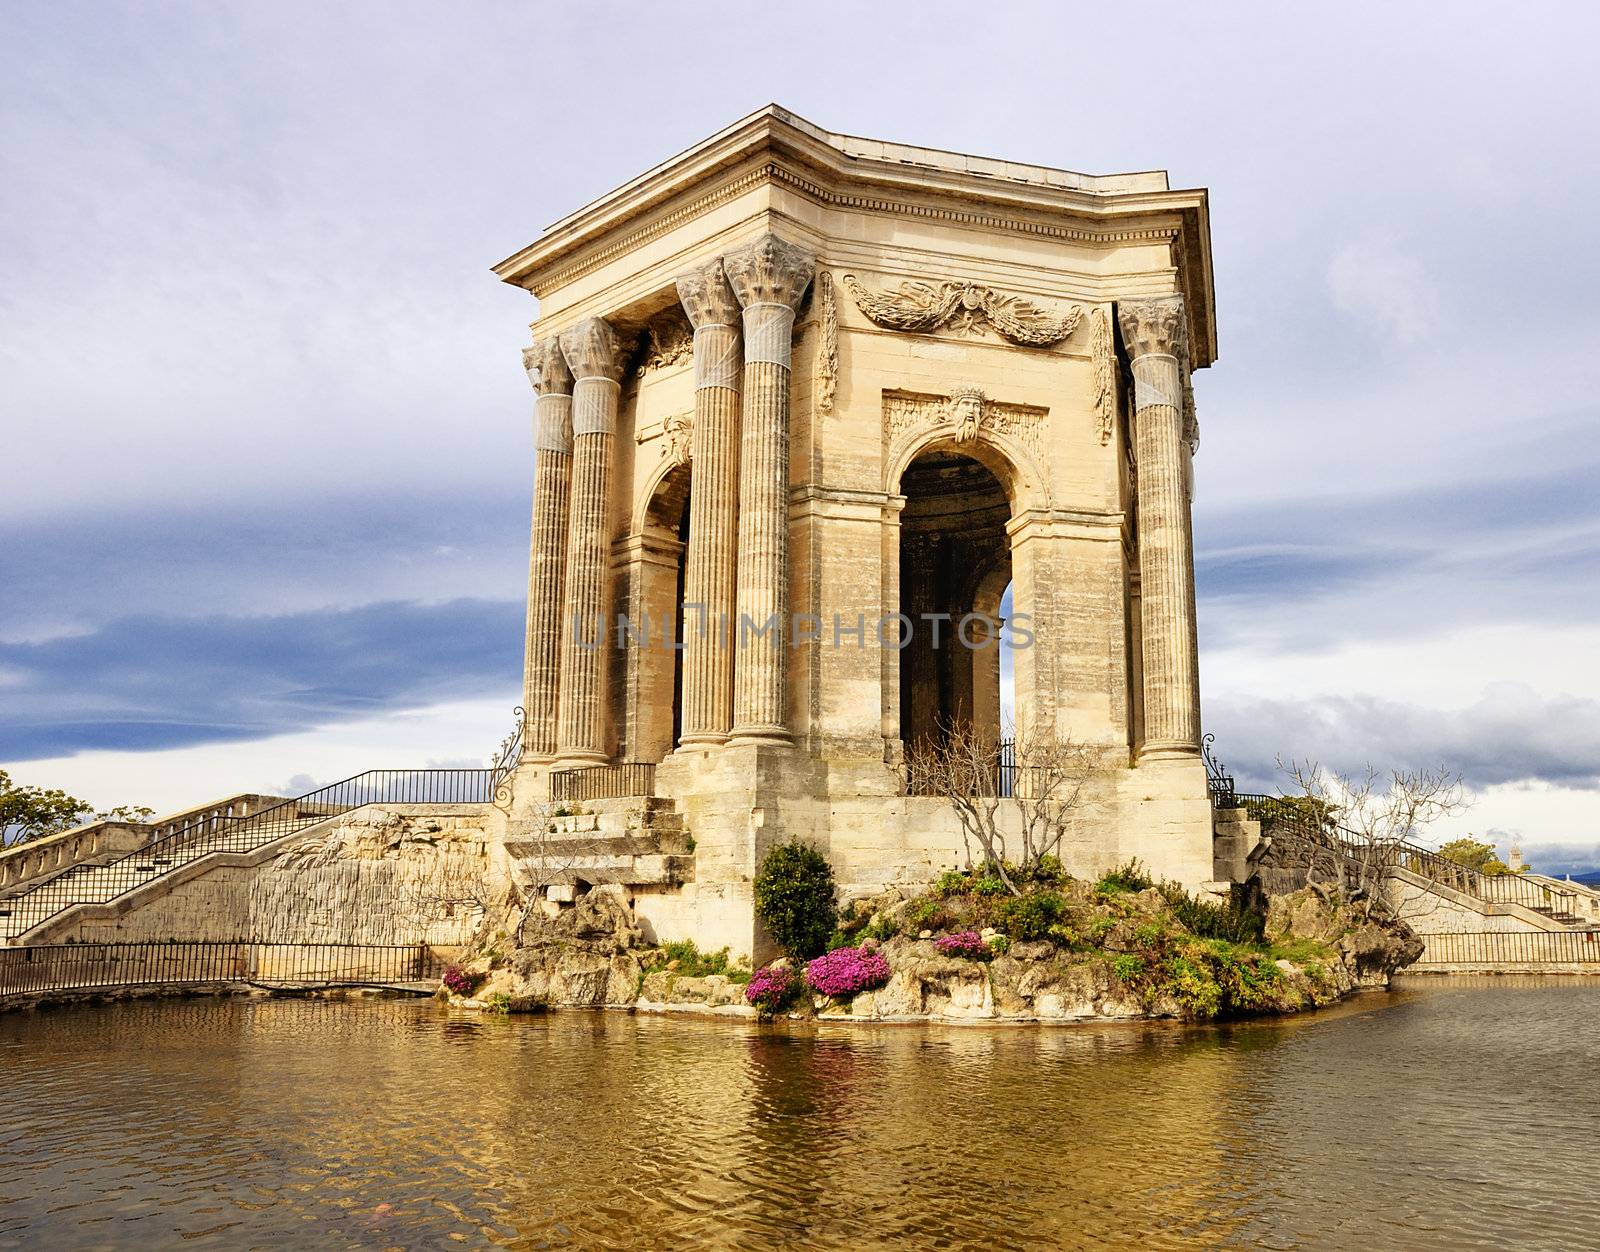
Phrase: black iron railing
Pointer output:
(997, 778)
(91, 966)
(603, 782)
(1218, 781)
(99, 883)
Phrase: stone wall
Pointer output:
(396, 874)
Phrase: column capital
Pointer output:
(770, 271)
(1154, 327)
(592, 350)
(707, 297)
(547, 368)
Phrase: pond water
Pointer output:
(1442, 1114)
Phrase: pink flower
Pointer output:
(846, 971)
(967, 943)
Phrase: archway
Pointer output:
(955, 569)
(657, 575)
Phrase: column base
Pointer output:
(578, 760)
(1168, 750)
(703, 739)
(760, 736)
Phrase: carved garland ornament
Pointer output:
(826, 373)
(1105, 363)
(965, 308)
(968, 410)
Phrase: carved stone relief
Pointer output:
(965, 308)
(825, 376)
(968, 410)
(667, 340)
(1105, 364)
(675, 432)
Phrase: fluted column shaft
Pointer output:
(1153, 331)
(769, 277)
(711, 576)
(547, 568)
(591, 352)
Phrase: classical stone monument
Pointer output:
(807, 406)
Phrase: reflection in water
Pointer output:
(1442, 1114)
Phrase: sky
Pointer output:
(266, 430)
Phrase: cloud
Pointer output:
(163, 681)
(1510, 735)
(1385, 288)
(296, 552)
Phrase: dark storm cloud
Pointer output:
(152, 682)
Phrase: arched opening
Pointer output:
(659, 569)
(955, 572)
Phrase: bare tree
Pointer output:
(1361, 822)
(543, 856)
(1043, 783)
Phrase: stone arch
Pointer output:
(954, 565)
(1011, 462)
(657, 550)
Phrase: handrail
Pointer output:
(1413, 857)
(624, 781)
(108, 880)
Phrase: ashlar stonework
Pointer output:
(802, 381)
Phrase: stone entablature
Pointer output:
(809, 378)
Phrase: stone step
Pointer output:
(643, 871)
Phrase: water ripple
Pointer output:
(1442, 1115)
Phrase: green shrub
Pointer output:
(794, 898)
(882, 928)
(1124, 879)
(951, 883)
(927, 914)
(1192, 985)
(1127, 966)
(498, 1002)
(1029, 917)
(999, 945)
(1150, 935)
(1049, 869)
(1234, 921)
(1101, 927)
(989, 885)
(693, 963)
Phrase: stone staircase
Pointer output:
(103, 875)
(639, 841)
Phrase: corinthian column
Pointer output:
(713, 504)
(591, 352)
(769, 277)
(1154, 333)
(547, 563)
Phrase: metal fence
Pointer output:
(97, 883)
(1500, 948)
(997, 777)
(109, 966)
(1303, 817)
(604, 782)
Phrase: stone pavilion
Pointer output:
(814, 414)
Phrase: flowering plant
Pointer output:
(967, 943)
(845, 971)
(770, 988)
(458, 982)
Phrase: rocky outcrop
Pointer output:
(1143, 964)
(1371, 946)
(586, 956)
